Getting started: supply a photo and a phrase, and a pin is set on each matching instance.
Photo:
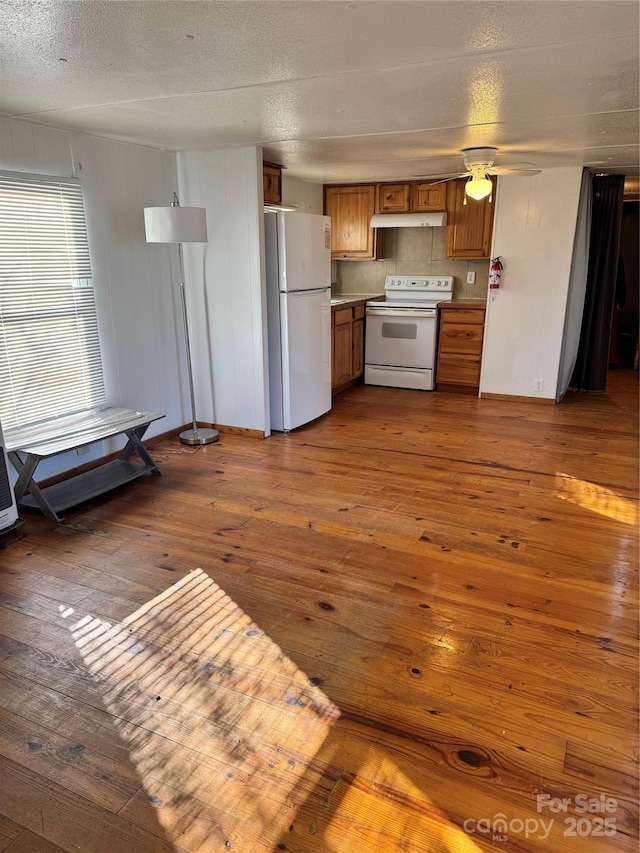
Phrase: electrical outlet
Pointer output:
(471, 277)
(539, 384)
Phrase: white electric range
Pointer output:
(402, 331)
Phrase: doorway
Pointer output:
(624, 327)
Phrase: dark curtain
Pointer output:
(592, 363)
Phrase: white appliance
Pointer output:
(298, 270)
(8, 509)
(402, 332)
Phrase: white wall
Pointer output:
(534, 227)
(138, 304)
(225, 286)
(308, 198)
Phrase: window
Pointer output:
(50, 361)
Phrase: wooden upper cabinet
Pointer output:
(410, 198)
(469, 225)
(393, 198)
(428, 197)
(351, 209)
(272, 183)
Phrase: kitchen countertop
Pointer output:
(347, 300)
(464, 303)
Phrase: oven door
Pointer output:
(401, 337)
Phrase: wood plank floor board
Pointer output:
(29, 842)
(69, 763)
(418, 611)
(67, 676)
(41, 582)
(49, 708)
(395, 692)
(24, 632)
(9, 831)
(398, 769)
(68, 820)
(91, 575)
(201, 825)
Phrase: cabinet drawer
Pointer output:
(342, 315)
(358, 312)
(463, 315)
(463, 338)
(459, 369)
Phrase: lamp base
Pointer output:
(199, 436)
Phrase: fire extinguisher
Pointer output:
(495, 271)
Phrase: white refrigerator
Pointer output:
(298, 271)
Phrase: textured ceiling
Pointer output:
(336, 91)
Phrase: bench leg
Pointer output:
(25, 483)
(135, 445)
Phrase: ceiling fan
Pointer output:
(479, 165)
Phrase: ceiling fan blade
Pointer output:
(506, 170)
(438, 179)
(521, 164)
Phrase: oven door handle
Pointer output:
(402, 312)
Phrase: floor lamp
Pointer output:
(180, 225)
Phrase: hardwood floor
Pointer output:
(410, 626)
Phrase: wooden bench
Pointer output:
(26, 447)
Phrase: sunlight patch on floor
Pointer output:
(384, 805)
(589, 496)
(215, 716)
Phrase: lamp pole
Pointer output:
(195, 435)
(180, 225)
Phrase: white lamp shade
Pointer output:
(175, 224)
(478, 188)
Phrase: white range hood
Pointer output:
(408, 220)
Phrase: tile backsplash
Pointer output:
(411, 251)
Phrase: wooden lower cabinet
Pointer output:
(357, 336)
(347, 346)
(460, 346)
(341, 346)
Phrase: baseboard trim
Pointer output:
(516, 398)
(233, 430)
(350, 383)
(451, 388)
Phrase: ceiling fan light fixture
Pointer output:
(478, 188)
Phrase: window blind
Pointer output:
(50, 360)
